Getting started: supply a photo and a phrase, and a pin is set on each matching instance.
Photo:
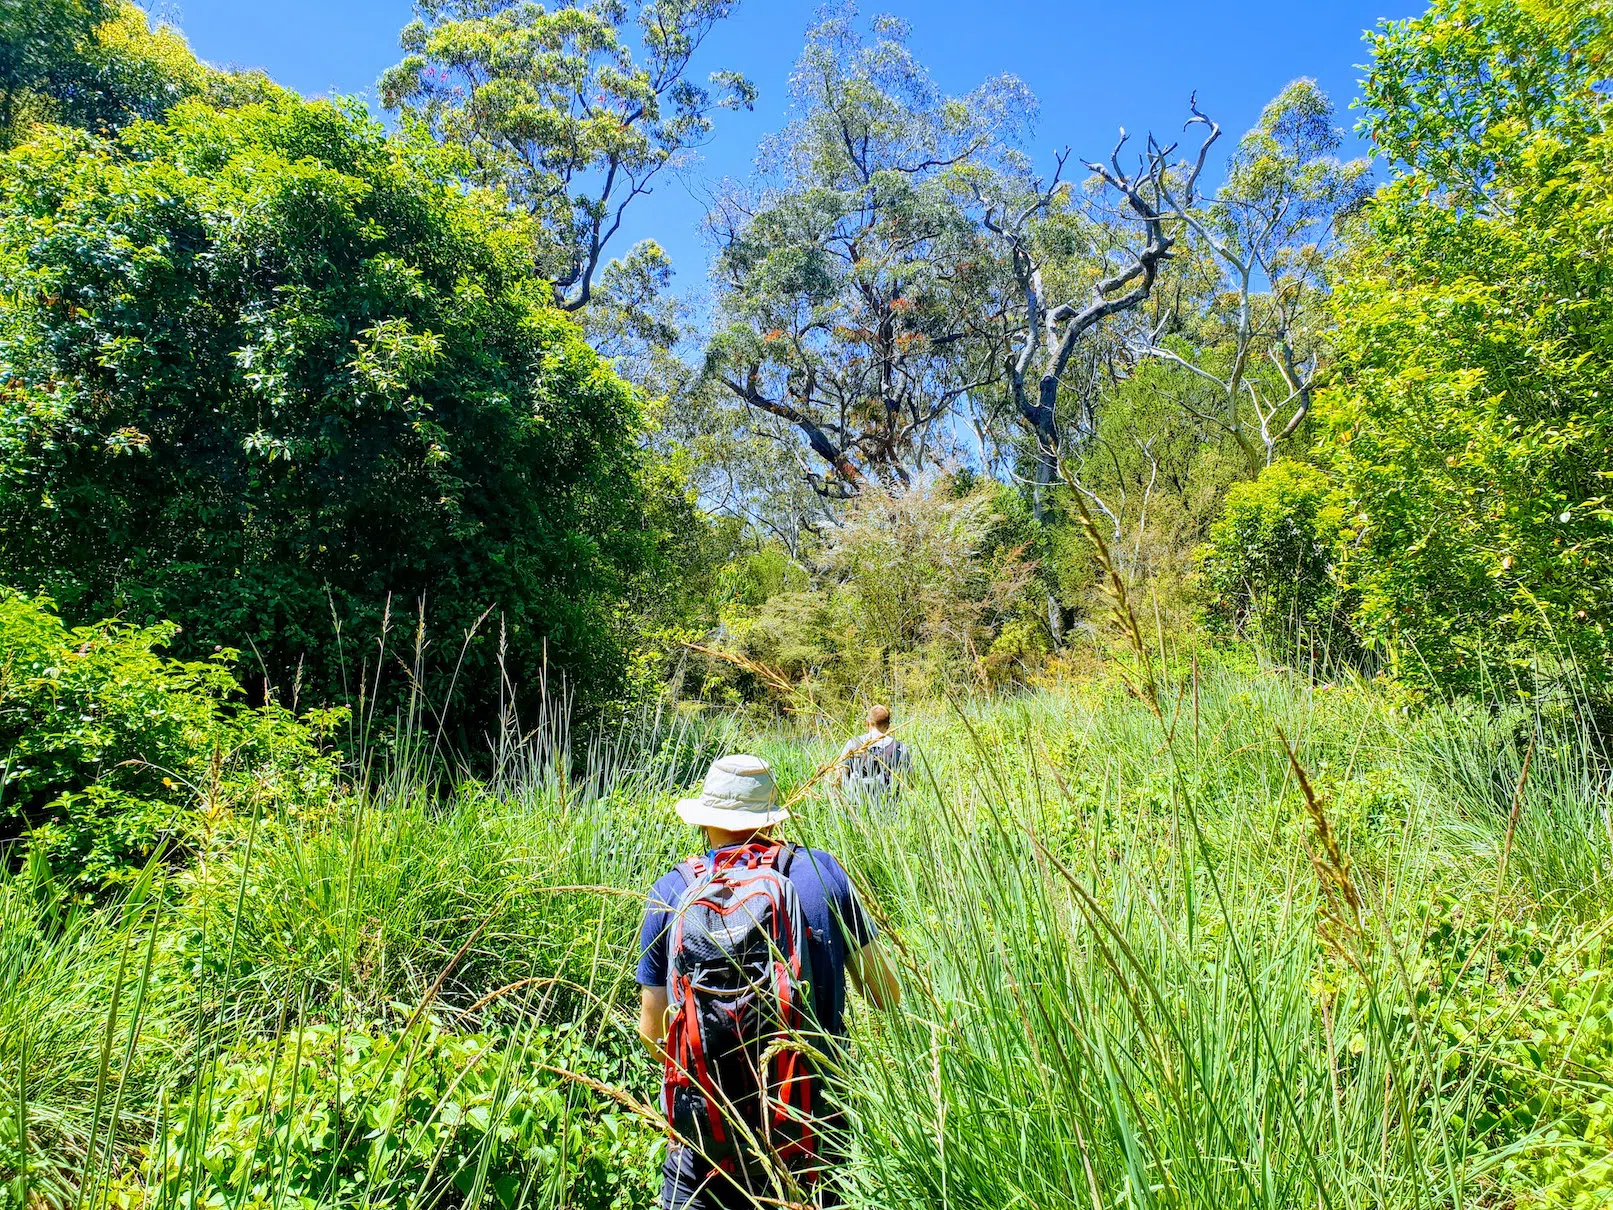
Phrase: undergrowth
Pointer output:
(1152, 959)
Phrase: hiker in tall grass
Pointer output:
(872, 765)
(743, 960)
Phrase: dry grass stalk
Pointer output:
(1343, 906)
(1512, 815)
(772, 677)
(1114, 587)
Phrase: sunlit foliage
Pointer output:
(269, 369)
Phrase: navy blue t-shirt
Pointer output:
(835, 920)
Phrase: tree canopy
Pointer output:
(550, 105)
(268, 369)
(851, 275)
(99, 64)
(268, 366)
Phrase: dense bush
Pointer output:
(1270, 563)
(922, 590)
(265, 368)
(339, 1117)
(109, 746)
(1549, 1004)
(47, 53)
(1467, 430)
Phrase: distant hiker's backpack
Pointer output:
(876, 766)
(737, 985)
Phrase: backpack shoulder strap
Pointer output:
(693, 870)
(785, 858)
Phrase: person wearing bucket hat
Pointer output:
(744, 959)
(738, 795)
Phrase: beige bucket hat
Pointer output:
(739, 793)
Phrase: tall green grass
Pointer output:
(1132, 976)
(1130, 990)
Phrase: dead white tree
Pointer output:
(1267, 229)
(1136, 216)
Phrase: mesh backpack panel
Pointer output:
(737, 982)
(878, 764)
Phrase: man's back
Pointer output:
(725, 986)
(873, 763)
(836, 922)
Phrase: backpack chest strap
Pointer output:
(777, 857)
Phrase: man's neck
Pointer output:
(722, 838)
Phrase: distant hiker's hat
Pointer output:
(739, 793)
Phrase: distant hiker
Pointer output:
(872, 764)
(742, 971)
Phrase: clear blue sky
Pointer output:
(1095, 64)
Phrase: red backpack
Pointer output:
(738, 979)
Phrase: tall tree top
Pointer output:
(550, 103)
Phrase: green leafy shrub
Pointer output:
(1533, 1013)
(911, 592)
(749, 581)
(1270, 563)
(109, 745)
(1468, 426)
(266, 368)
(338, 1117)
(99, 64)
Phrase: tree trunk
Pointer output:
(1044, 422)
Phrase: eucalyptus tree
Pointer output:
(1068, 261)
(850, 275)
(550, 104)
(1073, 260)
(1266, 236)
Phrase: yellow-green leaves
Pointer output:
(1474, 350)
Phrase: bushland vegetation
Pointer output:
(1149, 957)
(383, 549)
